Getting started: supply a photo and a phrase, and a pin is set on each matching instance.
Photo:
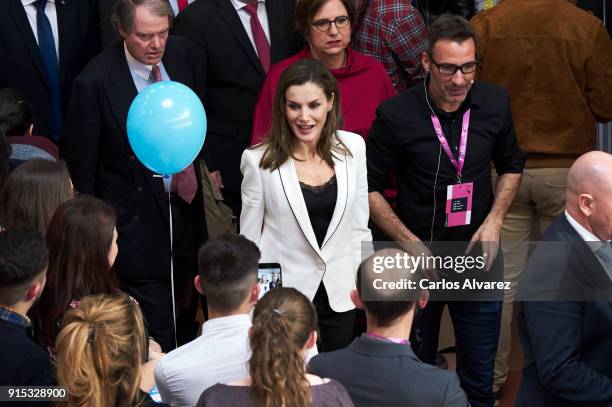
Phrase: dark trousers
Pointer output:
(335, 328)
(155, 296)
(476, 325)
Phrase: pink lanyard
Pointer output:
(465, 124)
(389, 338)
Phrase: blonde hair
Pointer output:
(99, 351)
(282, 323)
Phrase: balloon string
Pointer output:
(172, 271)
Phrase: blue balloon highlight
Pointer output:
(166, 127)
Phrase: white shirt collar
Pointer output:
(223, 323)
(238, 4)
(142, 70)
(26, 3)
(584, 234)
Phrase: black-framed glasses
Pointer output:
(325, 24)
(451, 69)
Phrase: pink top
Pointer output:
(363, 85)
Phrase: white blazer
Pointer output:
(275, 217)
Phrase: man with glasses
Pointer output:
(440, 138)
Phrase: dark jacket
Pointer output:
(378, 373)
(21, 62)
(566, 331)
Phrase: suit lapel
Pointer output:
(64, 35)
(121, 92)
(293, 193)
(341, 169)
(229, 15)
(21, 21)
(277, 33)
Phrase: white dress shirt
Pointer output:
(219, 355)
(141, 75)
(245, 19)
(592, 241)
(51, 13)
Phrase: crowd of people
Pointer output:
(332, 126)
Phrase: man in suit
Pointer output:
(23, 270)
(239, 50)
(566, 320)
(103, 163)
(44, 45)
(389, 372)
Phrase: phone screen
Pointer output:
(269, 276)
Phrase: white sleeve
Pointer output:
(253, 203)
(360, 231)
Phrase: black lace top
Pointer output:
(320, 201)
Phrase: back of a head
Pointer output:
(15, 120)
(79, 239)
(386, 305)
(283, 321)
(100, 348)
(32, 193)
(23, 258)
(228, 269)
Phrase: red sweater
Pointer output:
(363, 85)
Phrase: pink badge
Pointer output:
(459, 204)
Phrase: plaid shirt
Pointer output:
(393, 32)
(9, 315)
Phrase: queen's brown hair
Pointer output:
(280, 144)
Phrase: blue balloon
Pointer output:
(166, 127)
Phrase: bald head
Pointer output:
(589, 193)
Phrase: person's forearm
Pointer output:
(385, 218)
(505, 192)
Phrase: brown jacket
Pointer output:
(555, 60)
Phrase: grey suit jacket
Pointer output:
(379, 373)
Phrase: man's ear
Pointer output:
(426, 61)
(197, 282)
(586, 204)
(312, 340)
(34, 292)
(356, 299)
(254, 296)
(423, 298)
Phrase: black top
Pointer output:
(330, 394)
(403, 138)
(320, 203)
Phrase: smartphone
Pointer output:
(269, 276)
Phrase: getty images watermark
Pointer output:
(456, 271)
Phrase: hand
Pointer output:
(417, 248)
(154, 348)
(215, 178)
(488, 236)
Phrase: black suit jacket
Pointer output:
(232, 75)
(377, 373)
(21, 65)
(103, 164)
(567, 335)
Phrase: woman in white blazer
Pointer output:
(305, 197)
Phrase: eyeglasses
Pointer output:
(450, 69)
(325, 24)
